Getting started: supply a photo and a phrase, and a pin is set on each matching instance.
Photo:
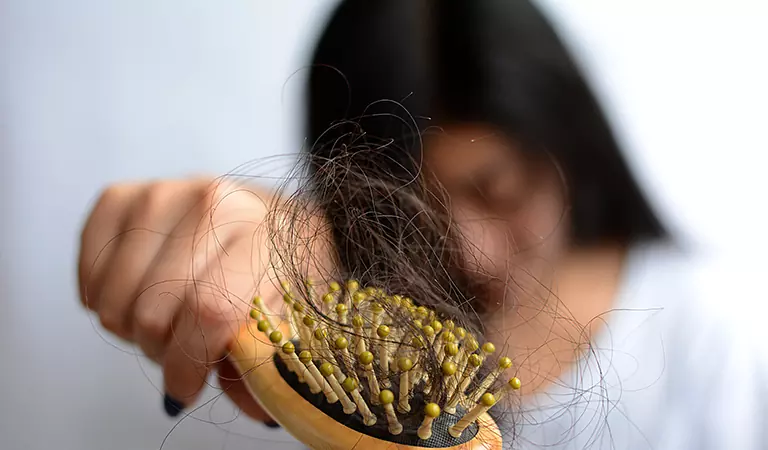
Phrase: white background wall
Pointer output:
(93, 92)
(96, 91)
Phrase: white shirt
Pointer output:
(679, 365)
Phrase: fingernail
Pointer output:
(272, 424)
(172, 406)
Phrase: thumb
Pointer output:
(231, 384)
(194, 348)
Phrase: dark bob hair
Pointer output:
(497, 62)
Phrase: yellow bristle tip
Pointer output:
(308, 321)
(451, 349)
(349, 384)
(371, 291)
(515, 383)
(288, 347)
(287, 298)
(341, 343)
(341, 308)
(386, 397)
(488, 399)
(305, 356)
(382, 331)
(257, 300)
(505, 363)
(405, 364)
(449, 368)
(357, 322)
(321, 333)
(377, 308)
(326, 369)
(352, 285)
(262, 326)
(275, 337)
(489, 348)
(334, 286)
(432, 410)
(358, 297)
(436, 325)
(298, 307)
(428, 330)
(286, 286)
(255, 314)
(460, 333)
(328, 298)
(475, 360)
(365, 358)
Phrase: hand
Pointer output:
(172, 266)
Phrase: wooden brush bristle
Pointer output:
(370, 351)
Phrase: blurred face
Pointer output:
(509, 207)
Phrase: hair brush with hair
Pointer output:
(364, 368)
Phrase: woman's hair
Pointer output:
(384, 71)
(497, 62)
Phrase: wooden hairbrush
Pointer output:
(348, 369)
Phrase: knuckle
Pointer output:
(112, 322)
(111, 205)
(150, 324)
(155, 201)
(87, 298)
(105, 200)
(112, 193)
(113, 198)
(201, 303)
(163, 199)
(210, 197)
(216, 310)
(152, 206)
(209, 316)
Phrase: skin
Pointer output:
(509, 207)
(185, 327)
(545, 293)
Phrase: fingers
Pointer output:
(100, 238)
(141, 219)
(169, 287)
(199, 341)
(168, 272)
(215, 306)
(127, 267)
(184, 260)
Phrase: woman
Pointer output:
(565, 260)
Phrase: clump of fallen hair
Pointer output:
(385, 220)
(385, 226)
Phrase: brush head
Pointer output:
(399, 373)
(380, 432)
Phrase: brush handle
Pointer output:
(252, 355)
